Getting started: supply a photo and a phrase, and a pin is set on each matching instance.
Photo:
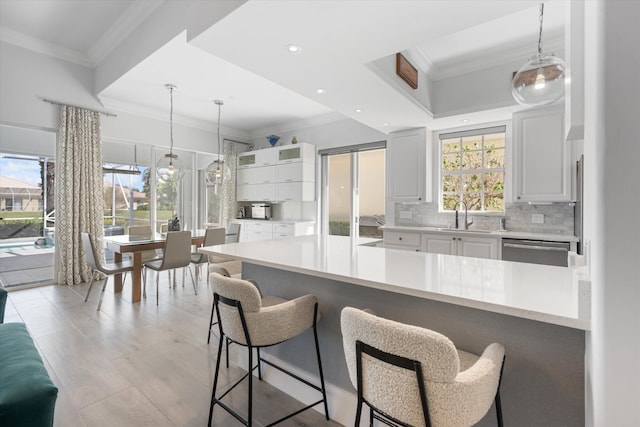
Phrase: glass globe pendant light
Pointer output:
(217, 172)
(170, 168)
(541, 80)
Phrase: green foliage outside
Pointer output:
(473, 171)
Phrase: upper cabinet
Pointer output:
(277, 174)
(407, 165)
(542, 157)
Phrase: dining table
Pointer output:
(136, 245)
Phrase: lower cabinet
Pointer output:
(401, 240)
(253, 231)
(477, 247)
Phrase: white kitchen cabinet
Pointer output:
(542, 157)
(439, 244)
(296, 191)
(401, 240)
(455, 244)
(406, 166)
(277, 174)
(257, 175)
(296, 153)
(298, 171)
(256, 230)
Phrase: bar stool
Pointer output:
(254, 321)
(413, 376)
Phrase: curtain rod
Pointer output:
(106, 113)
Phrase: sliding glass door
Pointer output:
(353, 190)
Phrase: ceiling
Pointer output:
(243, 61)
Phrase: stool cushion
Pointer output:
(27, 395)
(270, 320)
(460, 386)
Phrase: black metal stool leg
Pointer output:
(213, 308)
(215, 381)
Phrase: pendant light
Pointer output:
(170, 167)
(541, 80)
(217, 172)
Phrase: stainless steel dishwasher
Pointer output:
(535, 251)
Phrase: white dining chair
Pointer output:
(176, 254)
(94, 261)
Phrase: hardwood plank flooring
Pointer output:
(138, 364)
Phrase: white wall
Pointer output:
(612, 154)
(26, 77)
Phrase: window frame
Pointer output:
(460, 133)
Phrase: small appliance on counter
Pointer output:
(259, 211)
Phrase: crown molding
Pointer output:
(322, 119)
(494, 57)
(25, 41)
(161, 115)
(126, 23)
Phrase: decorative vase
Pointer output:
(273, 140)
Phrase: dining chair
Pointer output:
(412, 376)
(212, 236)
(233, 233)
(95, 263)
(176, 254)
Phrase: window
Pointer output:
(472, 169)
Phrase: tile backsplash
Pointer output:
(558, 217)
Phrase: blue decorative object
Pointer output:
(273, 140)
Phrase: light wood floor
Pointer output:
(140, 364)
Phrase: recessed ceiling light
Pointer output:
(358, 110)
(294, 48)
(385, 124)
(321, 91)
(465, 120)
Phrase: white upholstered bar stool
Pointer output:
(416, 377)
(254, 321)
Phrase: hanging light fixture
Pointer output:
(170, 167)
(217, 172)
(541, 80)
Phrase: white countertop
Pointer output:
(538, 292)
(507, 234)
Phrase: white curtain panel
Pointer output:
(230, 158)
(79, 192)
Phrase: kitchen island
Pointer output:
(535, 311)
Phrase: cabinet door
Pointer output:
(266, 157)
(266, 174)
(296, 153)
(406, 166)
(296, 191)
(542, 156)
(246, 160)
(478, 247)
(299, 171)
(247, 193)
(439, 244)
(248, 176)
(267, 192)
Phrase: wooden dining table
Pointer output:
(136, 245)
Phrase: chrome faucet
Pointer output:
(466, 224)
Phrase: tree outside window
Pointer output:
(472, 171)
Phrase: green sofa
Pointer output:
(27, 395)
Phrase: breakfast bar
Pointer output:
(539, 313)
